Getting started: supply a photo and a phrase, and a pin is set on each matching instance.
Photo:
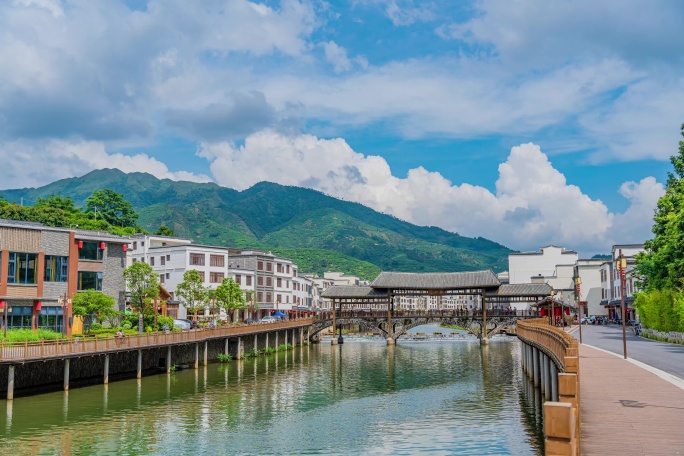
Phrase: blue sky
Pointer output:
(528, 122)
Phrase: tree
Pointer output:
(164, 230)
(250, 297)
(64, 203)
(112, 207)
(91, 305)
(192, 292)
(143, 285)
(229, 296)
(661, 266)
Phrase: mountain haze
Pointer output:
(296, 222)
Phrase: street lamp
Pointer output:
(551, 319)
(622, 267)
(578, 282)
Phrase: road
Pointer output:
(666, 357)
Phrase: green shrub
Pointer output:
(269, 350)
(23, 335)
(127, 325)
(225, 357)
(95, 326)
(284, 347)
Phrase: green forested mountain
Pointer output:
(299, 223)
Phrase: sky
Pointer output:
(527, 122)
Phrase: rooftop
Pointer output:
(436, 281)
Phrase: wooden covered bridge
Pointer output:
(376, 307)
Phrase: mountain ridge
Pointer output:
(273, 216)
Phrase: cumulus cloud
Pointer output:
(36, 163)
(337, 56)
(533, 203)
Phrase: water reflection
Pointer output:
(361, 397)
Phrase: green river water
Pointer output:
(363, 397)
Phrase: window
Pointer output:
(161, 278)
(56, 268)
(135, 260)
(269, 267)
(168, 276)
(279, 298)
(279, 282)
(260, 297)
(269, 297)
(151, 261)
(21, 268)
(287, 284)
(279, 267)
(238, 279)
(50, 317)
(249, 280)
(89, 280)
(260, 281)
(216, 277)
(162, 260)
(288, 268)
(201, 274)
(260, 265)
(135, 245)
(197, 259)
(168, 257)
(269, 281)
(142, 243)
(217, 260)
(90, 251)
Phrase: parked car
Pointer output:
(192, 324)
(586, 320)
(182, 324)
(249, 321)
(269, 319)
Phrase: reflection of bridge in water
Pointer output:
(373, 307)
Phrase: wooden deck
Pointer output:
(36, 351)
(627, 410)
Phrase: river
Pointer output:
(363, 397)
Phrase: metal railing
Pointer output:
(28, 351)
(446, 313)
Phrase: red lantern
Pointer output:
(2, 304)
(39, 305)
(80, 244)
(125, 247)
(102, 245)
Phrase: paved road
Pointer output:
(666, 357)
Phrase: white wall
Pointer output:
(522, 266)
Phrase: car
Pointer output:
(193, 325)
(182, 324)
(249, 321)
(586, 320)
(269, 319)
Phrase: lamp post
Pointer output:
(578, 282)
(622, 267)
(4, 318)
(64, 301)
(552, 321)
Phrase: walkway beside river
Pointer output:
(626, 409)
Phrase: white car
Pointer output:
(182, 325)
(269, 319)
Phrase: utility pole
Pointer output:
(578, 282)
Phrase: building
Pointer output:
(589, 272)
(41, 268)
(611, 287)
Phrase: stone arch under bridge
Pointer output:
(374, 305)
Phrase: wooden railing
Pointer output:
(561, 418)
(27, 351)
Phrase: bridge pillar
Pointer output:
(256, 341)
(240, 349)
(168, 359)
(484, 341)
(391, 341)
(535, 361)
(206, 352)
(139, 368)
(276, 344)
(333, 341)
(554, 382)
(66, 374)
(542, 371)
(10, 383)
(266, 346)
(225, 347)
(196, 364)
(547, 382)
(106, 369)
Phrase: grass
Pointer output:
(23, 335)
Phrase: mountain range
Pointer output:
(316, 231)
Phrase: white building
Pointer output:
(525, 265)
(589, 271)
(611, 286)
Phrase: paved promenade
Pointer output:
(627, 410)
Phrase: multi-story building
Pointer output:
(611, 286)
(41, 268)
(589, 271)
(321, 284)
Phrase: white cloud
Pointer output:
(337, 56)
(533, 205)
(36, 163)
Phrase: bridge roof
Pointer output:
(353, 291)
(436, 281)
(522, 290)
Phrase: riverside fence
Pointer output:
(550, 359)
